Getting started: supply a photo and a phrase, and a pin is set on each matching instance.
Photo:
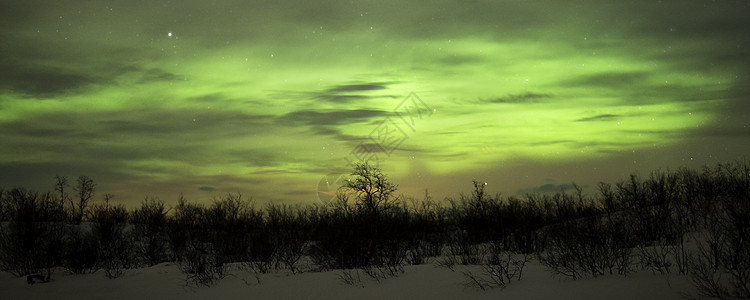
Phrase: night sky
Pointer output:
(268, 98)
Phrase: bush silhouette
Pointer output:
(642, 222)
(149, 228)
(32, 238)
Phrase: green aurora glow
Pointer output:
(266, 97)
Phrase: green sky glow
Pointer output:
(267, 97)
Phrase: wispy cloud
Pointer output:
(602, 117)
(207, 188)
(613, 80)
(241, 95)
(158, 74)
(337, 117)
(358, 87)
(519, 98)
(43, 82)
(352, 92)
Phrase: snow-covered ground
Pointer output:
(165, 281)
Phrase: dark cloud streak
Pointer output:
(618, 81)
(519, 98)
(602, 117)
(43, 82)
(359, 87)
(207, 189)
(339, 117)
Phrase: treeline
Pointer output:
(694, 222)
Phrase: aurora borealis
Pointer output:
(267, 97)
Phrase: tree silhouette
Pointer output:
(61, 182)
(372, 189)
(85, 187)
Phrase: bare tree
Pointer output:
(61, 182)
(372, 189)
(107, 198)
(84, 188)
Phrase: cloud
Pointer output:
(614, 80)
(602, 117)
(207, 189)
(691, 21)
(334, 132)
(150, 143)
(157, 74)
(370, 148)
(273, 172)
(326, 122)
(373, 86)
(337, 117)
(460, 60)
(727, 131)
(519, 98)
(550, 142)
(350, 92)
(340, 98)
(43, 66)
(13, 13)
(41, 82)
(154, 109)
(212, 123)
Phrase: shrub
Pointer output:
(113, 268)
(343, 242)
(262, 251)
(206, 239)
(108, 224)
(478, 214)
(463, 250)
(226, 224)
(81, 251)
(33, 238)
(374, 231)
(499, 268)
(722, 265)
(656, 257)
(202, 264)
(351, 277)
(289, 234)
(184, 226)
(149, 223)
(587, 247)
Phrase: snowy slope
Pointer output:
(165, 281)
